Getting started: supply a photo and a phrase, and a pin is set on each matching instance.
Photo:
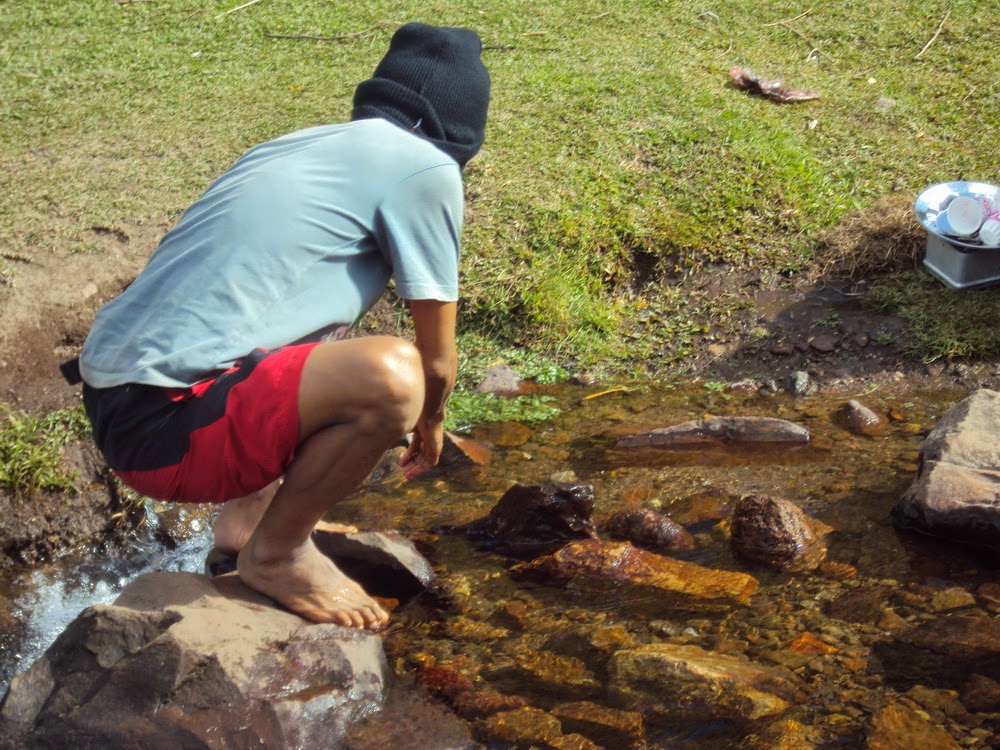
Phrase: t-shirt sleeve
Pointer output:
(418, 227)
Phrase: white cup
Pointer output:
(964, 216)
(989, 233)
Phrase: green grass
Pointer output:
(30, 448)
(618, 167)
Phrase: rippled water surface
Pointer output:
(847, 481)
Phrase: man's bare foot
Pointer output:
(307, 582)
(238, 519)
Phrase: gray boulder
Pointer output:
(957, 491)
(184, 661)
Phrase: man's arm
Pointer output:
(434, 325)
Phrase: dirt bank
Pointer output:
(47, 309)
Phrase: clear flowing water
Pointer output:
(847, 481)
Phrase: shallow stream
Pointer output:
(491, 620)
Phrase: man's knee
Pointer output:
(396, 381)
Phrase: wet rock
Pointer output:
(897, 727)
(384, 563)
(942, 652)
(181, 660)
(957, 493)
(703, 507)
(606, 726)
(387, 471)
(653, 531)
(861, 605)
(501, 380)
(409, 721)
(981, 694)
(688, 682)
(478, 704)
(582, 378)
(950, 599)
(548, 673)
(775, 533)
(785, 734)
(531, 520)
(459, 452)
(520, 726)
(782, 348)
(800, 384)
(644, 579)
(719, 431)
(573, 742)
(942, 701)
(506, 434)
(863, 421)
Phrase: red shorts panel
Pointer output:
(241, 435)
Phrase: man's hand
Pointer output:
(424, 450)
(434, 326)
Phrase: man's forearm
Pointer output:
(439, 381)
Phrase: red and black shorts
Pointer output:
(217, 440)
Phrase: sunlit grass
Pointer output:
(616, 158)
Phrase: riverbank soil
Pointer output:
(812, 323)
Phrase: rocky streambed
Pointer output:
(653, 568)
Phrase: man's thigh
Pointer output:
(220, 439)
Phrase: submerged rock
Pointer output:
(775, 533)
(898, 727)
(500, 379)
(863, 421)
(648, 580)
(712, 431)
(182, 660)
(957, 491)
(384, 563)
(690, 683)
(648, 529)
(610, 727)
(531, 520)
(942, 652)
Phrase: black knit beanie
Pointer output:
(432, 83)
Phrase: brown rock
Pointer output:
(951, 598)
(477, 704)
(687, 682)
(605, 726)
(710, 505)
(957, 492)
(532, 520)
(653, 531)
(459, 452)
(897, 727)
(522, 725)
(823, 343)
(863, 605)
(501, 380)
(863, 421)
(386, 564)
(573, 742)
(642, 577)
(507, 434)
(981, 694)
(549, 673)
(711, 431)
(181, 659)
(785, 734)
(775, 533)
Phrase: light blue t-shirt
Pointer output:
(297, 238)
